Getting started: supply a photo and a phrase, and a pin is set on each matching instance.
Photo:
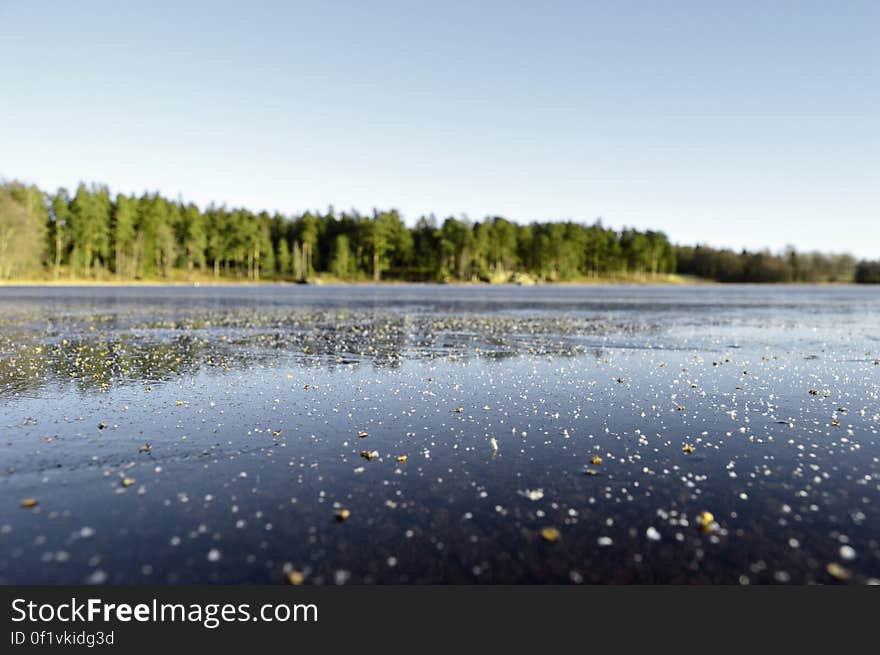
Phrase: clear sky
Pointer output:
(729, 123)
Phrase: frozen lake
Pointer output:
(440, 434)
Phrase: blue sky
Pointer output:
(729, 123)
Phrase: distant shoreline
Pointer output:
(324, 279)
(665, 282)
(338, 283)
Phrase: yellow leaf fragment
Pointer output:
(705, 521)
(550, 534)
(838, 572)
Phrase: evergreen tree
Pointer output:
(90, 229)
(59, 230)
(342, 263)
(283, 258)
(124, 217)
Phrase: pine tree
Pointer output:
(283, 257)
(124, 216)
(341, 263)
(59, 230)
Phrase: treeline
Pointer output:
(868, 272)
(92, 234)
(724, 265)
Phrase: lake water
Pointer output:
(180, 435)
